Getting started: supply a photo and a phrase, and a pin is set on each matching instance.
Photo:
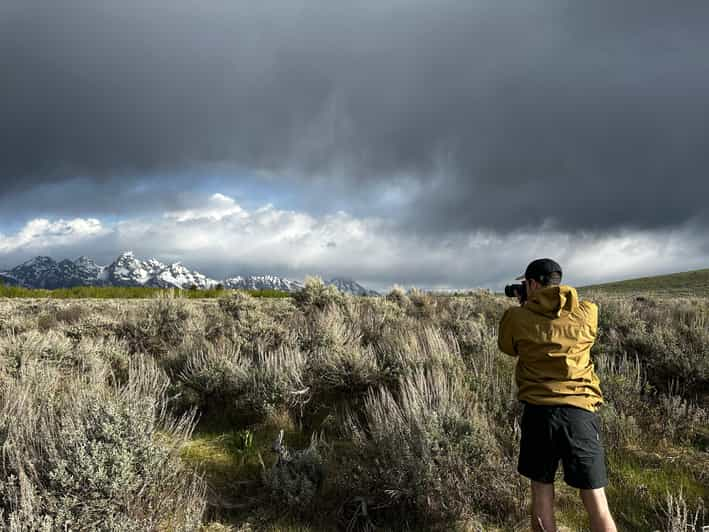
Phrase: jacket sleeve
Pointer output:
(592, 318)
(505, 340)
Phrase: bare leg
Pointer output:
(597, 507)
(543, 507)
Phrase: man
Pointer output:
(551, 333)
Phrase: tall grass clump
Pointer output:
(424, 455)
(670, 339)
(248, 323)
(242, 385)
(679, 517)
(156, 329)
(82, 454)
(316, 295)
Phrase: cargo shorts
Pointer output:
(572, 435)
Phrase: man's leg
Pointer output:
(597, 507)
(543, 507)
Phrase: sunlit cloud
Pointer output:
(220, 238)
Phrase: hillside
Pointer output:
(693, 283)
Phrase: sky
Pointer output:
(430, 144)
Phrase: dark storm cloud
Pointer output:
(501, 114)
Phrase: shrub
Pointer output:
(296, 477)
(426, 454)
(80, 454)
(679, 420)
(250, 325)
(679, 517)
(670, 339)
(423, 305)
(375, 316)
(159, 328)
(54, 350)
(674, 351)
(244, 384)
(403, 351)
(70, 314)
(47, 321)
(622, 382)
(398, 295)
(620, 429)
(316, 295)
(337, 359)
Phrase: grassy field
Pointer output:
(126, 292)
(694, 283)
(397, 413)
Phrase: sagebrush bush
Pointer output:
(316, 295)
(671, 340)
(422, 304)
(426, 455)
(337, 359)
(81, 454)
(251, 325)
(244, 384)
(55, 350)
(398, 296)
(678, 419)
(156, 329)
(679, 517)
(421, 402)
(71, 313)
(374, 316)
(296, 478)
(402, 351)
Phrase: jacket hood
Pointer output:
(553, 301)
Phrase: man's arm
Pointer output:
(505, 340)
(591, 310)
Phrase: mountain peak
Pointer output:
(344, 284)
(39, 259)
(129, 270)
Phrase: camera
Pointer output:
(515, 290)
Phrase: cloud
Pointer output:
(218, 206)
(220, 238)
(40, 234)
(499, 115)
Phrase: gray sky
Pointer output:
(433, 143)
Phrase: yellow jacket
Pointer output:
(552, 335)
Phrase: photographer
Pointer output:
(551, 335)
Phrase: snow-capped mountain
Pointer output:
(45, 272)
(126, 270)
(129, 270)
(348, 286)
(262, 282)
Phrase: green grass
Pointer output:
(693, 283)
(231, 460)
(125, 292)
(638, 483)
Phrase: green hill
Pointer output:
(694, 283)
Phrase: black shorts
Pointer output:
(566, 433)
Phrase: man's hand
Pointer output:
(519, 297)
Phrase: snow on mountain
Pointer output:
(348, 286)
(129, 270)
(45, 272)
(262, 282)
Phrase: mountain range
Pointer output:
(129, 270)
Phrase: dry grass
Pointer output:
(415, 403)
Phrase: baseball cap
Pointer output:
(540, 267)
